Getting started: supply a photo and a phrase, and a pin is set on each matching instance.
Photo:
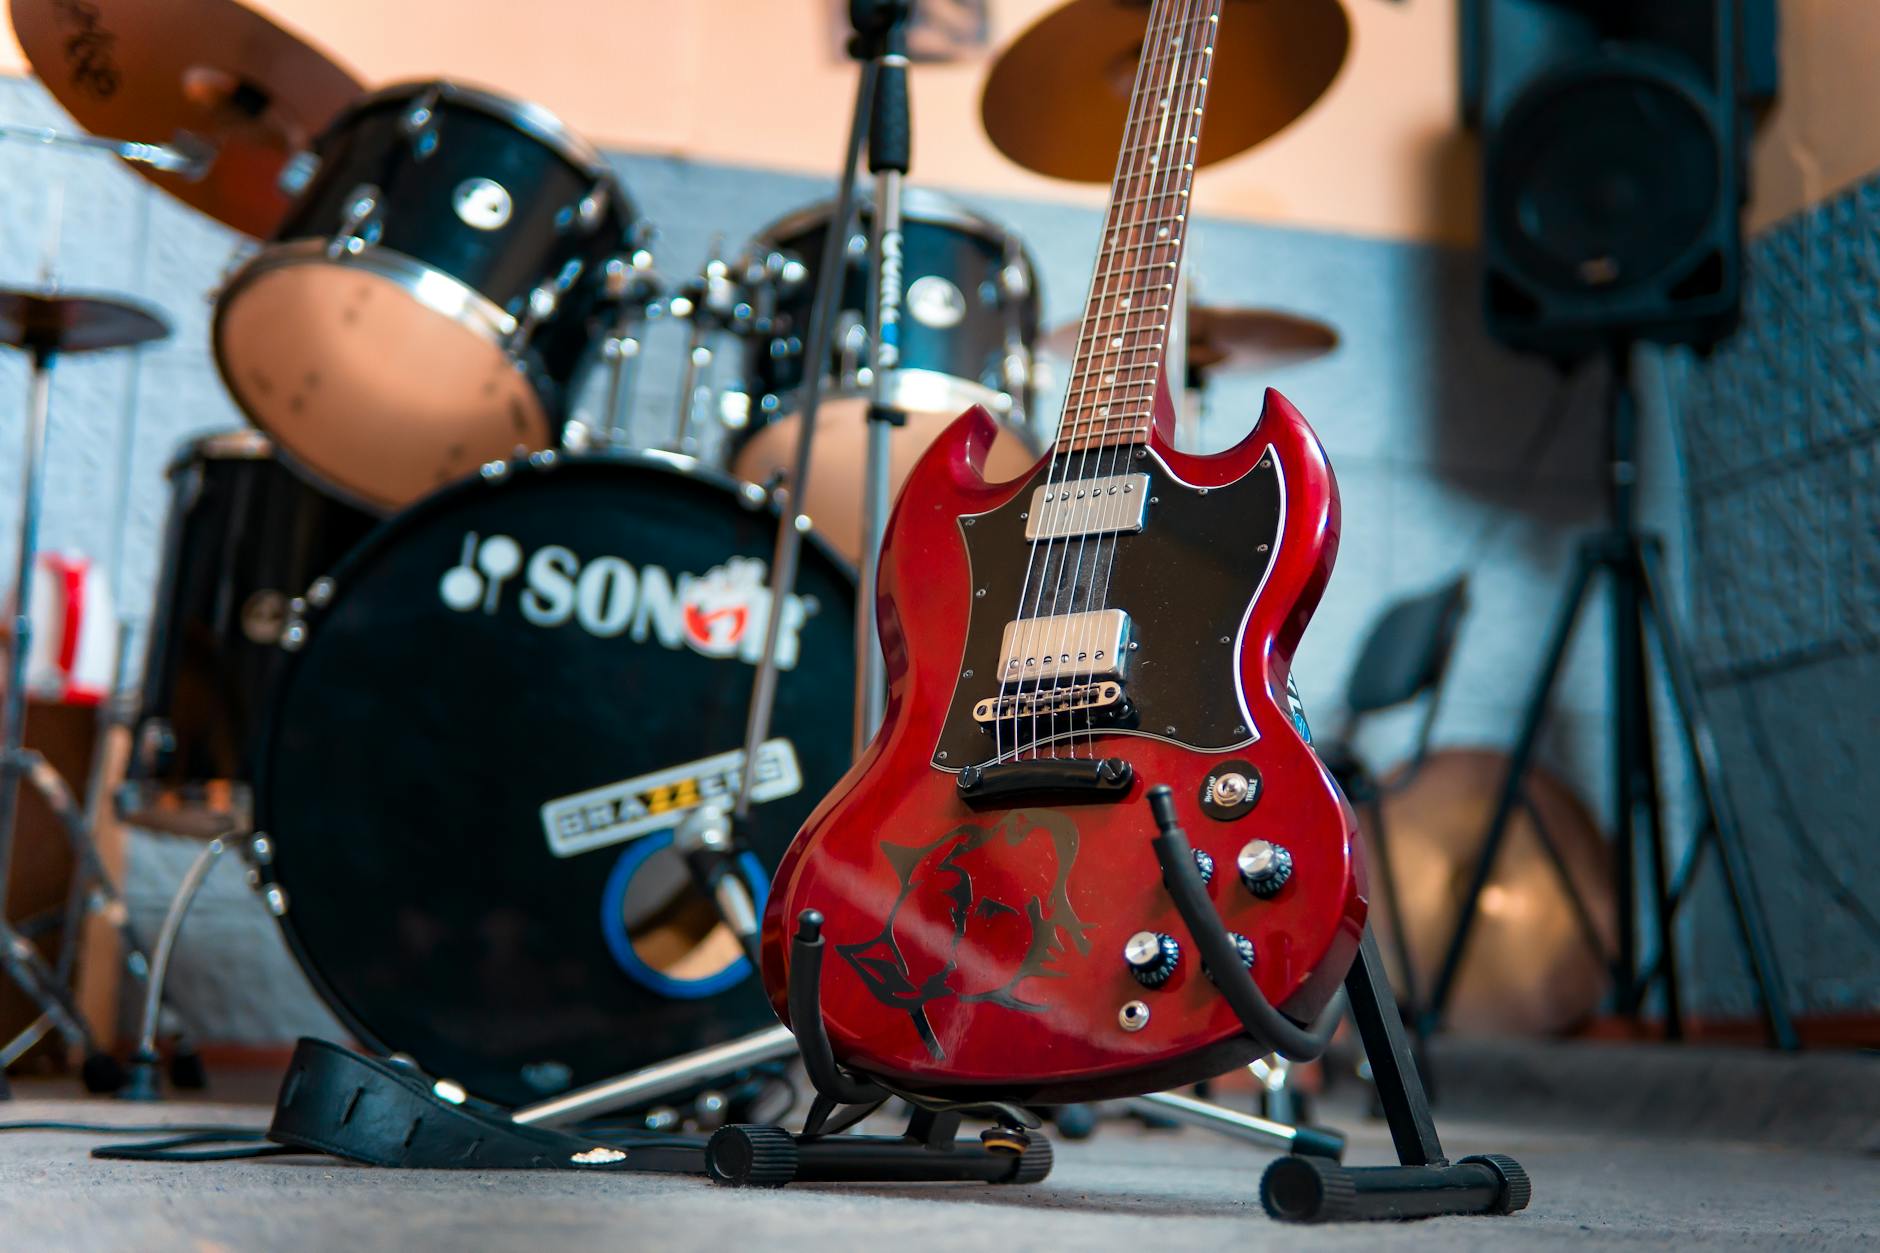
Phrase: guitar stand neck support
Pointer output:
(1307, 1189)
(929, 1152)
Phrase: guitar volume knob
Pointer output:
(1152, 957)
(1264, 867)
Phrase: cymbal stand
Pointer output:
(20, 960)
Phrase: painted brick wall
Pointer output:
(1424, 418)
(1782, 433)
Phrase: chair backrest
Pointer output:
(1408, 650)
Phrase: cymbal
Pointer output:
(53, 322)
(213, 73)
(1527, 969)
(1224, 340)
(1057, 98)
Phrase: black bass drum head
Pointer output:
(492, 721)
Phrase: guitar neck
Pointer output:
(1123, 344)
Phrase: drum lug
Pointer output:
(541, 305)
(352, 236)
(320, 592)
(298, 174)
(420, 123)
(592, 206)
(261, 849)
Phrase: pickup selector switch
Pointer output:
(1152, 957)
(1264, 867)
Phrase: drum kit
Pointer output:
(446, 662)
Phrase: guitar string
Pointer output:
(1127, 242)
(1025, 638)
(1178, 180)
(1103, 307)
(1159, 179)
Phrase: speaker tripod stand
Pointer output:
(1633, 562)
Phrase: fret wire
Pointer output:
(1162, 187)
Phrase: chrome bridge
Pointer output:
(1062, 646)
(1045, 702)
(1100, 506)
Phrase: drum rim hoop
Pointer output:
(534, 120)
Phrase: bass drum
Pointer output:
(497, 710)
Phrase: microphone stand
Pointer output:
(889, 150)
(709, 851)
(880, 116)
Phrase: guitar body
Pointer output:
(975, 945)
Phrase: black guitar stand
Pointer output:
(929, 1151)
(1306, 1189)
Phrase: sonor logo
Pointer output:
(721, 613)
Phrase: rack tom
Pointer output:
(426, 303)
(970, 319)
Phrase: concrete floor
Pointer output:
(1125, 1189)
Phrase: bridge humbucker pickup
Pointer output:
(1045, 702)
(1089, 645)
(1100, 506)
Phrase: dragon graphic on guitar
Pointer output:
(1122, 616)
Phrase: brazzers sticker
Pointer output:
(721, 613)
(633, 807)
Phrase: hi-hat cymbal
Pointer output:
(53, 322)
(1057, 98)
(209, 73)
(1222, 340)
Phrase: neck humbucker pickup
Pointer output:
(1100, 506)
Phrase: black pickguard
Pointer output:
(1186, 580)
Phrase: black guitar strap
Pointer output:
(381, 1113)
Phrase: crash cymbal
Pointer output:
(1057, 98)
(1222, 340)
(54, 322)
(204, 74)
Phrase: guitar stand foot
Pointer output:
(770, 1157)
(1299, 1189)
(1316, 1189)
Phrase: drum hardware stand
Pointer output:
(1303, 1188)
(709, 303)
(142, 1083)
(631, 281)
(183, 155)
(1641, 606)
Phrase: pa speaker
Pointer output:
(1614, 147)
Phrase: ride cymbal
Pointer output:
(1057, 98)
(208, 76)
(1224, 340)
(53, 322)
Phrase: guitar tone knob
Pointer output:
(1152, 957)
(1264, 867)
(1204, 866)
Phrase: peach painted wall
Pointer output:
(757, 82)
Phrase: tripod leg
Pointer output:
(1584, 563)
(1640, 811)
(1576, 901)
(1703, 747)
(1393, 1067)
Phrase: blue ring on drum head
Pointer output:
(620, 944)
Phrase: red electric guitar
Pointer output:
(1122, 616)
